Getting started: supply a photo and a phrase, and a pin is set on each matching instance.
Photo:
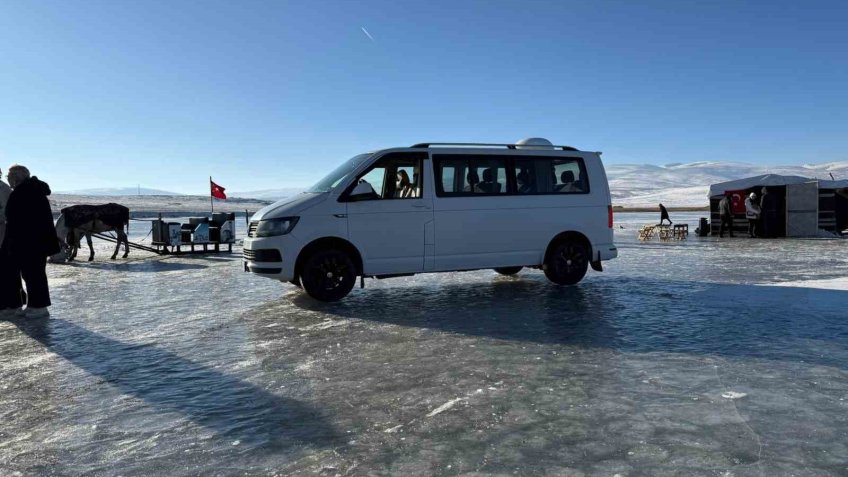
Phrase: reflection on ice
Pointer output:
(232, 408)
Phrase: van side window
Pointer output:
(464, 175)
(394, 176)
(547, 175)
(571, 177)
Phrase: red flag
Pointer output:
(737, 201)
(217, 191)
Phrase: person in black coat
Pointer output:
(769, 205)
(664, 215)
(725, 212)
(31, 236)
(10, 284)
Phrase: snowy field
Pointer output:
(702, 357)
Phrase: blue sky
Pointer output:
(268, 94)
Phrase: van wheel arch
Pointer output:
(568, 236)
(327, 243)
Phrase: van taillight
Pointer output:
(609, 215)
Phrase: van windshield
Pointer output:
(333, 179)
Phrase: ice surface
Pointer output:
(157, 366)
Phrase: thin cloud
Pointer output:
(367, 34)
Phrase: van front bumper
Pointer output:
(267, 257)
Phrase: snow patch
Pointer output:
(444, 407)
(733, 395)
(840, 283)
(324, 325)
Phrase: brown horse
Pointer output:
(84, 220)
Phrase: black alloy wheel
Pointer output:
(508, 270)
(328, 275)
(567, 263)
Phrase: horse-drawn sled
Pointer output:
(78, 221)
(198, 235)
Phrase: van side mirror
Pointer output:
(362, 191)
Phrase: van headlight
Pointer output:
(275, 227)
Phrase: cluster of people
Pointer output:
(27, 238)
(762, 215)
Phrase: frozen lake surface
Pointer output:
(702, 357)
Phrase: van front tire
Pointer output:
(567, 262)
(508, 271)
(328, 275)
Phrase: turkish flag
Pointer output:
(217, 191)
(737, 201)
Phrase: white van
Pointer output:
(439, 208)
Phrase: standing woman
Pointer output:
(31, 235)
(752, 212)
(10, 279)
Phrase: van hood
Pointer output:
(290, 205)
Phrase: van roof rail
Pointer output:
(475, 144)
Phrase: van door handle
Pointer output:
(420, 206)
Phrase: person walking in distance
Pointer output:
(31, 236)
(664, 215)
(752, 212)
(725, 211)
(10, 283)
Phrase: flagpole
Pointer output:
(211, 199)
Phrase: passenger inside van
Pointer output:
(489, 184)
(523, 182)
(567, 185)
(473, 182)
(404, 189)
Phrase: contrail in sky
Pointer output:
(367, 34)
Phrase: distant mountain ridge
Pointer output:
(631, 185)
(118, 191)
(269, 194)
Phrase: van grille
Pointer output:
(262, 255)
(251, 229)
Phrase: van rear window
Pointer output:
(459, 175)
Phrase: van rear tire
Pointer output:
(328, 275)
(508, 271)
(567, 262)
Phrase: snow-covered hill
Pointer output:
(675, 185)
(268, 194)
(632, 185)
(117, 191)
(686, 185)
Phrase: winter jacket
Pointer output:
(29, 221)
(5, 191)
(752, 210)
(724, 207)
